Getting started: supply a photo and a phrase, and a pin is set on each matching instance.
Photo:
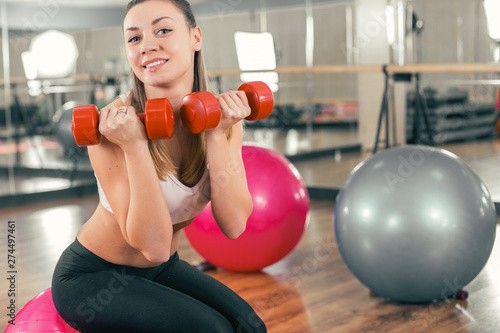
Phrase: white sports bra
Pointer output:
(184, 203)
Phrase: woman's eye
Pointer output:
(133, 39)
(164, 31)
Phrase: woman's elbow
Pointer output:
(156, 255)
(233, 222)
(237, 225)
(235, 231)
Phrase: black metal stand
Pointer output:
(384, 112)
(421, 111)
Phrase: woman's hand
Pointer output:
(234, 108)
(123, 127)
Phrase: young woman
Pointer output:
(122, 273)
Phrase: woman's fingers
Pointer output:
(234, 104)
(120, 125)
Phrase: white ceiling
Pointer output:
(37, 15)
(88, 3)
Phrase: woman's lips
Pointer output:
(154, 65)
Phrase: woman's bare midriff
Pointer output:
(102, 236)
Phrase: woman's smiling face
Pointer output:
(160, 44)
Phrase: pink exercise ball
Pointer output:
(278, 220)
(39, 316)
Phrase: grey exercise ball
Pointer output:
(61, 124)
(414, 224)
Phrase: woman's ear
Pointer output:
(196, 38)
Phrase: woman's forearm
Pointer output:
(231, 200)
(148, 225)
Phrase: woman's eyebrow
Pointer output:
(162, 18)
(155, 21)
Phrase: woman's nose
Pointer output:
(149, 45)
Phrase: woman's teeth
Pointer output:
(156, 63)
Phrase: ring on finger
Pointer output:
(122, 109)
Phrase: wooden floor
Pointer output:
(310, 290)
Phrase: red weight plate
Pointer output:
(200, 111)
(84, 125)
(260, 98)
(159, 118)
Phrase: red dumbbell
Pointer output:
(158, 118)
(200, 111)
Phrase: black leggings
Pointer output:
(94, 295)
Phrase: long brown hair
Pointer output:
(194, 159)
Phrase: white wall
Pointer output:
(439, 38)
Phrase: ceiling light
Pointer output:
(52, 54)
(255, 51)
(492, 10)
